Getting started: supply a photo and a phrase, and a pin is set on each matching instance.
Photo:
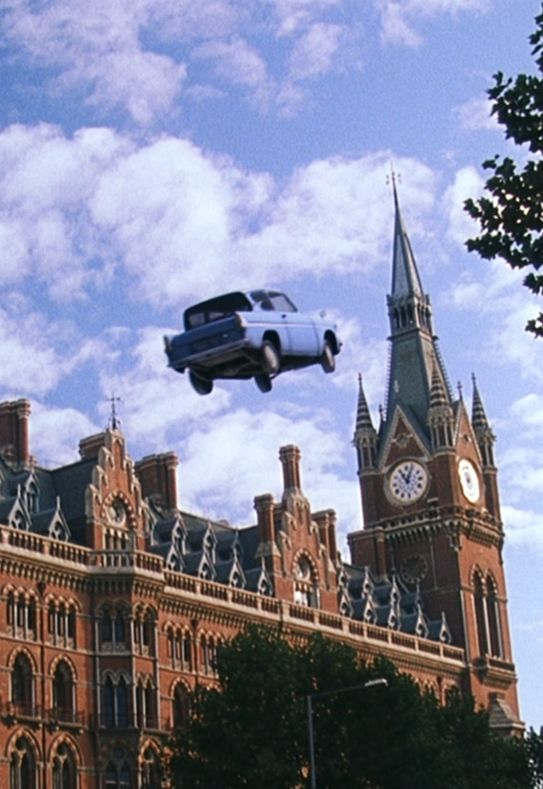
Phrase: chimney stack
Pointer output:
(290, 460)
(158, 478)
(14, 440)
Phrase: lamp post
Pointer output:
(372, 683)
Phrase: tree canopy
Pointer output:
(251, 730)
(510, 214)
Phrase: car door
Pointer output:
(299, 333)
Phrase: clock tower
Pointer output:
(430, 496)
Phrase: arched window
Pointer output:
(480, 614)
(493, 614)
(107, 628)
(22, 766)
(63, 692)
(180, 706)
(139, 704)
(64, 768)
(120, 630)
(122, 703)
(150, 706)
(117, 774)
(187, 651)
(305, 587)
(21, 684)
(151, 774)
(109, 703)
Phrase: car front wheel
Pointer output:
(270, 358)
(200, 384)
(328, 360)
(263, 382)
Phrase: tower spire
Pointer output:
(414, 352)
(483, 431)
(365, 435)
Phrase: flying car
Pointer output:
(258, 334)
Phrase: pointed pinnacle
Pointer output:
(363, 417)
(478, 415)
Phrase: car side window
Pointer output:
(281, 303)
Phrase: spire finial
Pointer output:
(460, 392)
(114, 421)
(393, 178)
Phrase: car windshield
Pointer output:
(214, 309)
(272, 300)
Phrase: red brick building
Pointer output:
(113, 600)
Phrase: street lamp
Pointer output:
(372, 683)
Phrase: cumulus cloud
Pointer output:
(174, 220)
(467, 183)
(474, 114)
(399, 18)
(55, 433)
(243, 446)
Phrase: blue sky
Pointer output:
(153, 153)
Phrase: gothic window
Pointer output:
(22, 766)
(305, 588)
(21, 683)
(64, 768)
(115, 703)
(113, 627)
(120, 630)
(187, 651)
(493, 614)
(151, 774)
(149, 698)
(109, 703)
(72, 624)
(117, 774)
(21, 616)
(139, 705)
(180, 706)
(63, 692)
(122, 703)
(487, 614)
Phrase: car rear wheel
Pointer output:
(328, 360)
(263, 382)
(200, 384)
(270, 358)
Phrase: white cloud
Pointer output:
(55, 433)
(523, 527)
(76, 212)
(314, 51)
(467, 183)
(243, 446)
(400, 17)
(475, 114)
(158, 406)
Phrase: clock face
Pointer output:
(117, 512)
(414, 569)
(408, 481)
(469, 481)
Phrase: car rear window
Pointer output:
(214, 309)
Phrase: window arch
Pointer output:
(22, 695)
(64, 768)
(151, 773)
(115, 710)
(487, 615)
(180, 706)
(305, 582)
(22, 765)
(63, 692)
(117, 774)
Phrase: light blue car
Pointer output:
(257, 335)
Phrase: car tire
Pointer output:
(271, 361)
(262, 380)
(328, 360)
(202, 385)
